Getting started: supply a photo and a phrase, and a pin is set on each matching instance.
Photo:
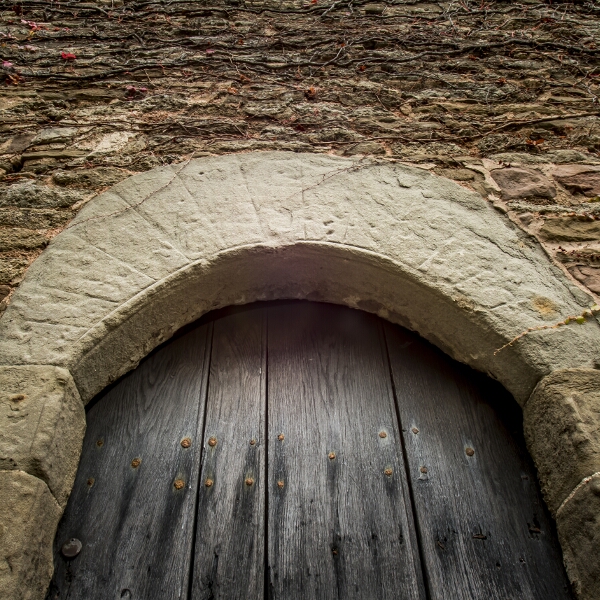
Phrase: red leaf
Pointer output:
(67, 56)
(210, 51)
(311, 92)
(14, 79)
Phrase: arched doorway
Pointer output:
(304, 450)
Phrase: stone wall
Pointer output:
(499, 96)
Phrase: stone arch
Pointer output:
(160, 249)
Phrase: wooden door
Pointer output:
(301, 450)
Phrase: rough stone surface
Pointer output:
(589, 276)
(28, 194)
(101, 177)
(365, 148)
(562, 429)
(17, 143)
(11, 267)
(567, 229)
(54, 135)
(518, 183)
(21, 239)
(580, 179)
(34, 218)
(160, 249)
(30, 516)
(578, 525)
(42, 423)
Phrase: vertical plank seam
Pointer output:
(207, 365)
(415, 516)
(265, 380)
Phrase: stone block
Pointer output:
(29, 194)
(42, 423)
(365, 148)
(11, 268)
(54, 135)
(21, 239)
(570, 230)
(58, 154)
(582, 179)
(578, 524)
(517, 183)
(562, 429)
(374, 9)
(100, 177)
(30, 515)
(34, 218)
(589, 276)
(17, 144)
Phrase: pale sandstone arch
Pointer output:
(160, 249)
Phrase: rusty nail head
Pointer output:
(415, 430)
(91, 481)
(388, 472)
(334, 550)
(208, 483)
(281, 437)
(249, 481)
(423, 469)
(212, 442)
(179, 483)
(280, 484)
(382, 434)
(136, 462)
(186, 442)
(252, 442)
(470, 451)
(100, 443)
(331, 455)
(71, 548)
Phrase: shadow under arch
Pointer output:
(331, 273)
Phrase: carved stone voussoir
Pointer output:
(42, 422)
(578, 523)
(562, 428)
(30, 515)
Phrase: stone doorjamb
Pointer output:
(160, 249)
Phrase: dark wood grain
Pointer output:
(338, 527)
(484, 531)
(135, 525)
(229, 556)
(308, 495)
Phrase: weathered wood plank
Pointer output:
(483, 528)
(229, 556)
(134, 497)
(338, 525)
